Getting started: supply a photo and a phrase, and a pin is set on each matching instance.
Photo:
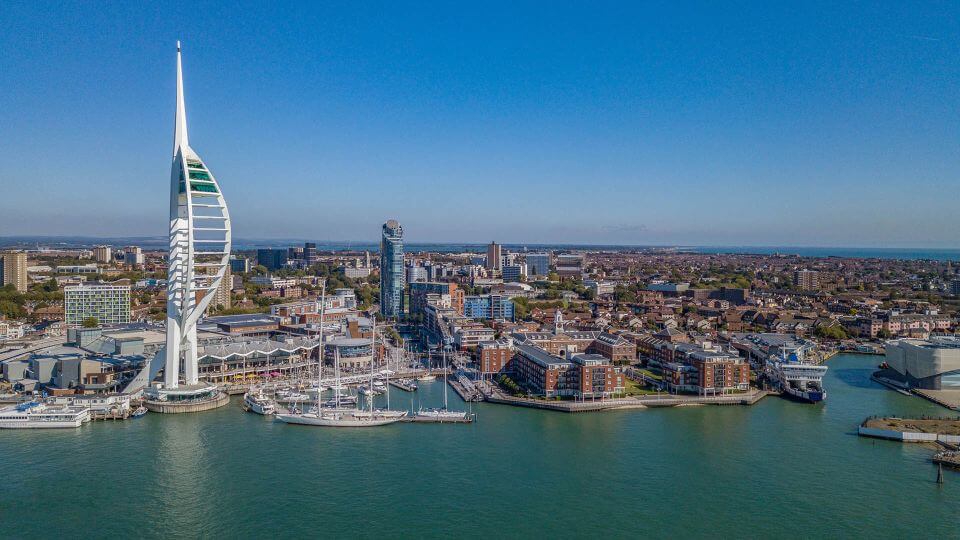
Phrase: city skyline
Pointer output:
(773, 129)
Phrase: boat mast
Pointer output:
(336, 370)
(444, 376)
(373, 358)
(323, 305)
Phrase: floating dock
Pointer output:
(402, 386)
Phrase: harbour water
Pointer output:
(778, 468)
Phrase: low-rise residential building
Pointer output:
(614, 347)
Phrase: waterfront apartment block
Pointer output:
(494, 356)
(13, 270)
(702, 368)
(577, 376)
(109, 304)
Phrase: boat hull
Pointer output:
(805, 397)
(347, 422)
(40, 425)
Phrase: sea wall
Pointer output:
(907, 436)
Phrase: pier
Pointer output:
(405, 387)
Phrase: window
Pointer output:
(199, 175)
(195, 164)
(204, 188)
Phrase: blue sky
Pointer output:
(819, 124)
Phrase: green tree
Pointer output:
(90, 322)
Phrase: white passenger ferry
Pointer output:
(40, 415)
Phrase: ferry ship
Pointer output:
(40, 415)
(798, 378)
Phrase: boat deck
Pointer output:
(422, 420)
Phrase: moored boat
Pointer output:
(39, 415)
(796, 378)
(258, 403)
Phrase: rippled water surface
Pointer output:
(775, 469)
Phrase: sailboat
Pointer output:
(442, 415)
(337, 416)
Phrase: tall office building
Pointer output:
(538, 264)
(310, 252)
(133, 256)
(103, 254)
(272, 259)
(391, 270)
(514, 272)
(109, 304)
(494, 254)
(13, 270)
(240, 265)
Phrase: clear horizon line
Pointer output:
(510, 243)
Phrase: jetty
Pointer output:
(913, 430)
(465, 389)
(402, 386)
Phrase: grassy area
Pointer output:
(633, 388)
(650, 374)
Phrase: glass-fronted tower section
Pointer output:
(391, 270)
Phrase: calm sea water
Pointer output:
(776, 469)
(245, 244)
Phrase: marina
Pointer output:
(228, 453)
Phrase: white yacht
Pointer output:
(367, 391)
(291, 396)
(442, 415)
(258, 403)
(40, 415)
(343, 418)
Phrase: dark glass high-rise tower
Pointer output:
(391, 270)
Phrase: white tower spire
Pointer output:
(200, 240)
(180, 130)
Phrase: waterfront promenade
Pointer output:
(492, 394)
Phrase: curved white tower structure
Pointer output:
(199, 249)
(198, 259)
